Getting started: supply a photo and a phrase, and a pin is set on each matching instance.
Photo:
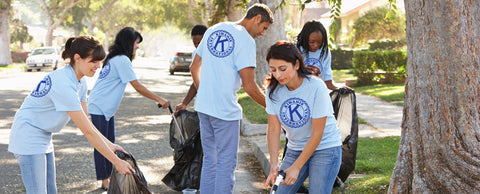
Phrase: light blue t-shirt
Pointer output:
(295, 110)
(108, 90)
(324, 63)
(226, 48)
(44, 111)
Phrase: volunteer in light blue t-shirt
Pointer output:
(197, 35)
(313, 44)
(59, 96)
(301, 104)
(108, 90)
(226, 59)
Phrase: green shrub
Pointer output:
(388, 45)
(341, 59)
(373, 67)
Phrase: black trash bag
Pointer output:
(127, 184)
(187, 152)
(345, 111)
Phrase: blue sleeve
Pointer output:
(125, 70)
(82, 92)
(200, 47)
(245, 54)
(270, 104)
(326, 71)
(322, 106)
(65, 97)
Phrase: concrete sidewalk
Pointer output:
(383, 119)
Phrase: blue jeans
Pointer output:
(103, 167)
(322, 169)
(38, 173)
(220, 146)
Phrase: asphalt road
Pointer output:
(141, 129)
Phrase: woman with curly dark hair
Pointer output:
(312, 42)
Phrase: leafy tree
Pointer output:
(5, 56)
(19, 33)
(375, 25)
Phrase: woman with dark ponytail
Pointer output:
(107, 93)
(300, 103)
(59, 97)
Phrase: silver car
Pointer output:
(46, 58)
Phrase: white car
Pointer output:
(48, 58)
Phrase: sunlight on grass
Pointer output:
(253, 111)
(12, 66)
(387, 92)
(339, 76)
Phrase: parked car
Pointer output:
(180, 62)
(47, 58)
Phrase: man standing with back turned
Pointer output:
(225, 60)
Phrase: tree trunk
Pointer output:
(440, 145)
(234, 13)
(5, 55)
(275, 32)
(100, 15)
(192, 5)
(54, 21)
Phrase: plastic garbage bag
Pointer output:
(187, 152)
(345, 111)
(127, 184)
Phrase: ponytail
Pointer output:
(65, 53)
(84, 46)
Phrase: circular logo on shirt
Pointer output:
(43, 87)
(294, 112)
(220, 43)
(105, 71)
(313, 61)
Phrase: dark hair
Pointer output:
(85, 46)
(261, 9)
(288, 52)
(308, 28)
(123, 45)
(198, 30)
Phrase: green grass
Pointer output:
(376, 159)
(13, 66)
(389, 92)
(253, 111)
(339, 76)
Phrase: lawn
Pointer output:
(375, 159)
(12, 66)
(394, 93)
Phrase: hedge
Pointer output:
(388, 45)
(379, 66)
(341, 59)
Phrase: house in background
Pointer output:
(349, 12)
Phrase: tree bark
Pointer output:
(5, 55)
(53, 22)
(275, 32)
(440, 146)
(100, 15)
(234, 13)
